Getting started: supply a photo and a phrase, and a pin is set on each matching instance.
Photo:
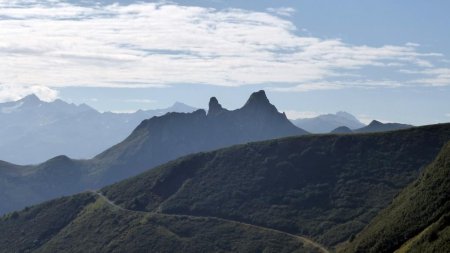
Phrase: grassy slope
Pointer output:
(31, 228)
(325, 187)
(84, 223)
(420, 212)
(435, 238)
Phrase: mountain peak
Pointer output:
(31, 99)
(375, 123)
(341, 130)
(347, 115)
(257, 99)
(214, 106)
(181, 107)
(177, 104)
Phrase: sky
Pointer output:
(385, 60)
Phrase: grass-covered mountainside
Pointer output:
(267, 196)
(325, 187)
(418, 220)
(154, 142)
(88, 223)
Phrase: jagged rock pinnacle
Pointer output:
(214, 106)
(258, 98)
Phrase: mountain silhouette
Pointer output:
(377, 126)
(154, 142)
(328, 122)
(342, 130)
(161, 139)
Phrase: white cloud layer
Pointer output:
(58, 44)
(293, 114)
(282, 11)
(16, 92)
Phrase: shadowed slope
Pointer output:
(89, 223)
(324, 187)
(423, 206)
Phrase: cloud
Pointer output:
(437, 77)
(367, 119)
(59, 44)
(336, 85)
(282, 11)
(292, 114)
(140, 101)
(412, 44)
(14, 92)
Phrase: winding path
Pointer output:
(300, 238)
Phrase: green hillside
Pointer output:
(283, 195)
(325, 187)
(420, 214)
(88, 223)
(435, 238)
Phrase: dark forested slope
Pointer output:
(88, 223)
(421, 212)
(326, 187)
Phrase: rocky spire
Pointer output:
(259, 99)
(214, 106)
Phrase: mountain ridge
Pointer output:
(377, 126)
(327, 122)
(155, 141)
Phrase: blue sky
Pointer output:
(385, 60)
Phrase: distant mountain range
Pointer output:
(312, 193)
(328, 122)
(376, 126)
(32, 131)
(154, 142)
(343, 122)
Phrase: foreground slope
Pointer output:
(90, 223)
(154, 142)
(325, 187)
(418, 220)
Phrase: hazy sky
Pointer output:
(384, 59)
